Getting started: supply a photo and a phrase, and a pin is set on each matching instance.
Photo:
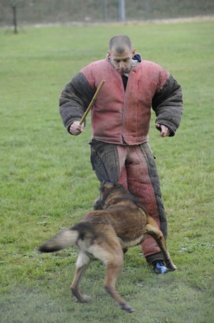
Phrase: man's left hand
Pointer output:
(164, 131)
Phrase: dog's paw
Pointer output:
(81, 298)
(84, 299)
(127, 308)
(171, 267)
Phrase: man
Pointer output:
(120, 121)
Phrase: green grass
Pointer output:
(46, 180)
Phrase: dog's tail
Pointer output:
(60, 241)
(82, 230)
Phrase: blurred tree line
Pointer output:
(71, 11)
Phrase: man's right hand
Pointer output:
(76, 128)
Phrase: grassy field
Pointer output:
(46, 180)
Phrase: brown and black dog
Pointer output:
(119, 223)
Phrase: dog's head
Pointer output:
(113, 193)
(105, 188)
(109, 193)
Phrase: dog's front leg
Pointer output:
(167, 258)
(82, 264)
(153, 230)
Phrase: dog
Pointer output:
(118, 222)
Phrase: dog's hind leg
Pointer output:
(113, 269)
(153, 230)
(82, 264)
(111, 254)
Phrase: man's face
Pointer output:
(122, 62)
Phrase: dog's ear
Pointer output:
(98, 204)
(106, 185)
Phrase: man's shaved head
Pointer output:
(120, 53)
(119, 43)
